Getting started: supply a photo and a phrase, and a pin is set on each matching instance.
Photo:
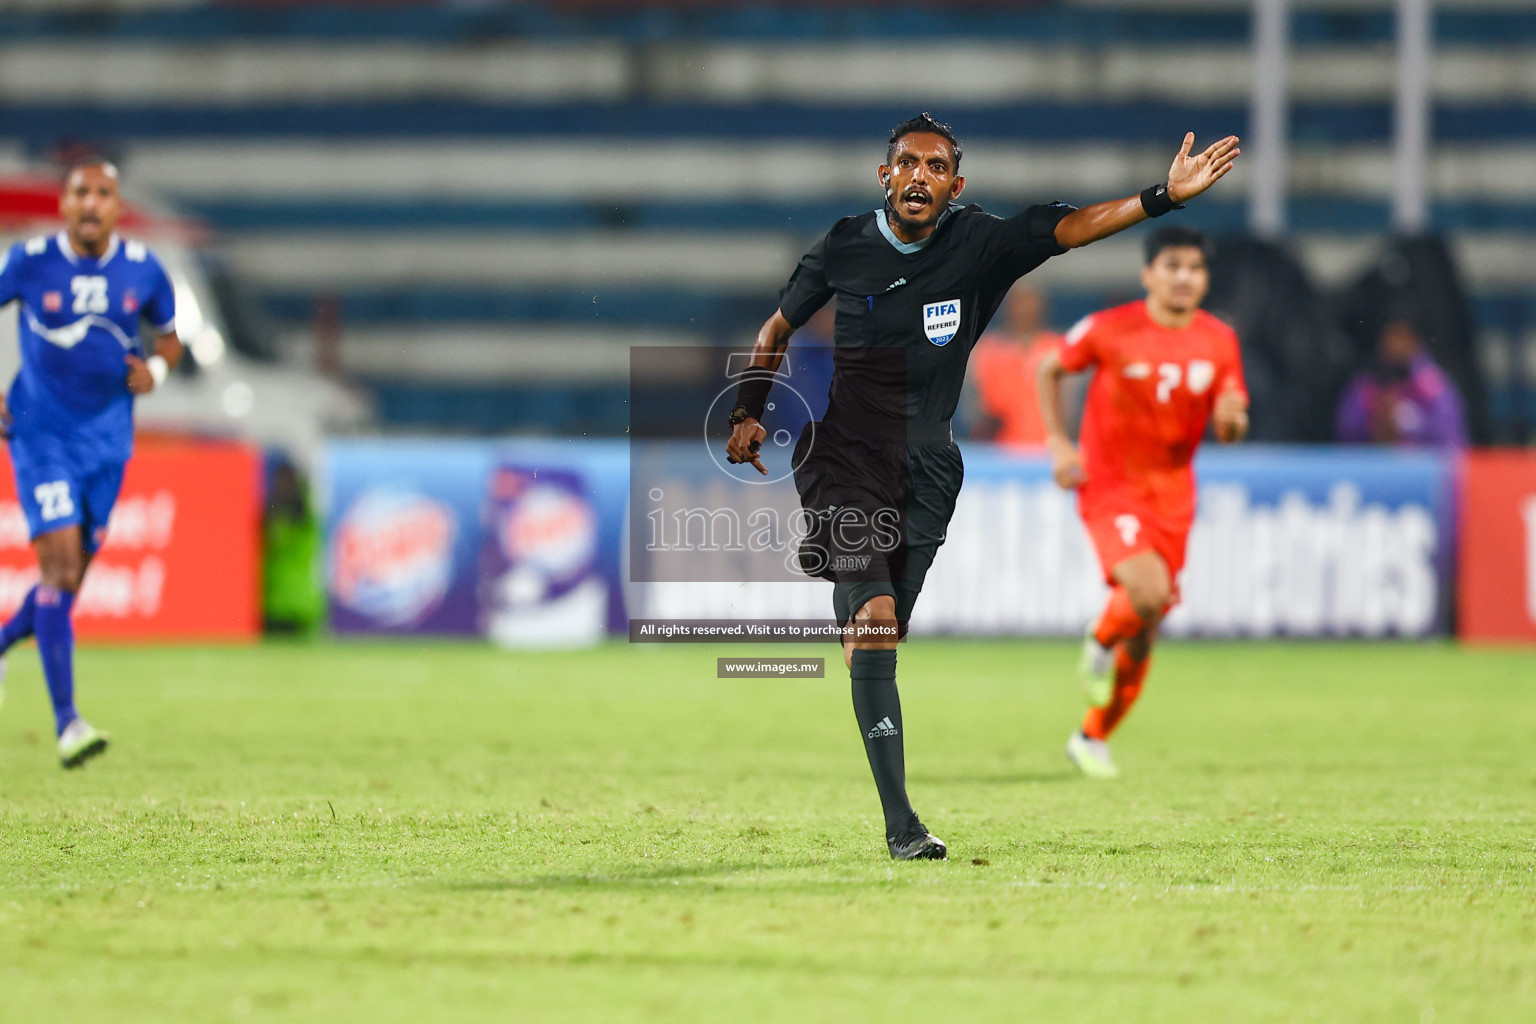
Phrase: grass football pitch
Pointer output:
(339, 832)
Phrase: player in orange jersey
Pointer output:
(1004, 364)
(1165, 368)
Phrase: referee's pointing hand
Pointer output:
(1191, 175)
(745, 443)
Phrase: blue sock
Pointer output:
(56, 646)
(20, 626)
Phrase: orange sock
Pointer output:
(1118, 621)
(1098, 723)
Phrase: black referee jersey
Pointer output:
(908, 314)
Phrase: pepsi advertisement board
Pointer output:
(540, 582)
(518, 541)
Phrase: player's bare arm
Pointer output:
(1189, 175)
(144, 374)
(1230, 415)
(1066, 461)
(767, 354)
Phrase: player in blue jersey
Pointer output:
(69, 417)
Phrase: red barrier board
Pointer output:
(1497, 591)
(182, 555)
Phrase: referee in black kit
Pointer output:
(916, 283)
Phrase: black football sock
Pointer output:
(877, 706)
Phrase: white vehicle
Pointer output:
(224, 393)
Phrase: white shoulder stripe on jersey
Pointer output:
(36, 246)
(135, 251)
(1079, 329)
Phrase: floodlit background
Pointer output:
(404, 223)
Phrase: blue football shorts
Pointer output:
(57, 491)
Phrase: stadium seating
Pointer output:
(504, 197)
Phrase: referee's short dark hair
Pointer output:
(923, 122)
(1174, 236)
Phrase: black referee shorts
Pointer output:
(879, 513)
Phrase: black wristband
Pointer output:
(1156, 201)
(752, 393)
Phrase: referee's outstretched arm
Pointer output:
(1188, 177)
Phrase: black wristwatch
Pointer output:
(738, 415)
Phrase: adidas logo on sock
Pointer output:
(884, 727)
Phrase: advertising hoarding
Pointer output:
(182, 557)
(524, 539)
(516, 540)
(1303, 542)
(1497, 592)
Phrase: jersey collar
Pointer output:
(62, 238)
(908, 248)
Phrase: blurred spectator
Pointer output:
(1403, 397)
(293, 600)
(1008, 411)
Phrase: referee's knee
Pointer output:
(881, 611)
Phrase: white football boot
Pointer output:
(1092, 757)
(80, 742)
